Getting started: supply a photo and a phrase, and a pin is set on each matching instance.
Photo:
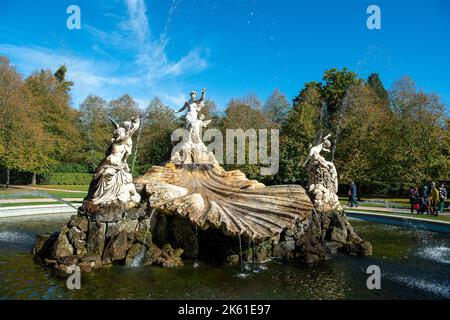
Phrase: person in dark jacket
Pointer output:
(423, 205)
(352, 195)
(414, 199)
(442, 198)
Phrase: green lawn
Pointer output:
(65, 187)
(5, 205)
(15, 193)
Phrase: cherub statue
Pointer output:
(194, 107)
(198, 125)
(112, 180)
(323, 178)
(320, 144)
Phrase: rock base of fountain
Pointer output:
(202, 213)
(104, 235)
(311, 240)
(214, 214)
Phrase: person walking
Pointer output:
(414, 199)
(352, 195)
(442, 198)
(349, 194)
(424, 194)
(434, 199)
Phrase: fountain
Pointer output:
(192, 208)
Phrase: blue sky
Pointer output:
(166, 48)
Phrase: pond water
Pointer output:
(414, 264)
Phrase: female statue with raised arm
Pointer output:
(194, 107)
(113, 180)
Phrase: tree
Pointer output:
(96, 129)
(60, 75)
(364, 146)
(241, 115)
(60, 121)
(23, 142)
(418, 135)
(276, 108)
(123, 108)
(375, 83)
(158, 125)
(335, 87)
(298, 131)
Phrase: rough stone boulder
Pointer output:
(101, 236)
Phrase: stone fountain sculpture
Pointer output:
(193, 150)
(113, 181)
(112, 226)
(194, 205)
(323, 180)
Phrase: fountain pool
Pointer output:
(414, 264)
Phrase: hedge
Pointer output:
(67, 178)
(70, 168)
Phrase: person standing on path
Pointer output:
(352, 194)
(434, 199)
(414, 199)
(442, 198)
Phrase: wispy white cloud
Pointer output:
(144, 75)
(138, 21)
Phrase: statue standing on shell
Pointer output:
(194, 107)
(323, 180)
(113, 180)
(193, 150)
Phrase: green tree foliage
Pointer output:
(60, 121)
(418, 135)
(276, 108)
(123, 108)
(297, 132)
(375, 83)
(60, 75)
(158, 124)
(23, 142)
(96, 129)
(364, 143)
(244, 113)
(335, 86)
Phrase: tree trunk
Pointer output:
(8, 173)
(33, 179)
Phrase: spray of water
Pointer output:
(340, 118)
(138, 139)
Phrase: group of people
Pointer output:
(429, 200)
